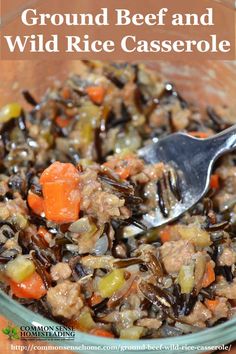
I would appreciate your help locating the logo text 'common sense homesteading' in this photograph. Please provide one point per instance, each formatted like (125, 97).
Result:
(39, 332)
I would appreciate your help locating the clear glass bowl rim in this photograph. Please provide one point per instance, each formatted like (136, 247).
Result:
(218, 335)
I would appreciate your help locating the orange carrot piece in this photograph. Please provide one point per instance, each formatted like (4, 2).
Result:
(60, 192)
(66, 93)
(61, 201)
(165, 234)
(59, 171)
(36, 203)
(31, 288)
(101, 333)
(200, 135)
(212, 304)
(214, 182)
(96, 93)
(209, 275)
(61, 122)
(95, 299)
(124, 173)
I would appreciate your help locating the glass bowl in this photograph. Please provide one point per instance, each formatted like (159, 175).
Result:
(206, 83)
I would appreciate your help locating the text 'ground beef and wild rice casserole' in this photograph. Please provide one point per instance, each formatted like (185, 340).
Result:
(72, 188)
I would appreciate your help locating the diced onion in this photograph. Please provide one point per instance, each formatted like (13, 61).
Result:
(101, 246)
(82, 226)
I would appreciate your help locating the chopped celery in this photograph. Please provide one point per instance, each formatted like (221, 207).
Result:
(20, 269)
(11, 110)
(111, 282)
(127, 142)
(85, 162)
(85, 321)
(134, 332)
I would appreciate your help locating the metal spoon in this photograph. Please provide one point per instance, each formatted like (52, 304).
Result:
(193, 159)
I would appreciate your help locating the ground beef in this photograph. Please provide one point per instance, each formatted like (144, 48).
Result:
(149, 173)
(12, 244)
(176, 253)
(226, 289)
(17, 205)
(220, 311)
(4, 187)
(64, 299)
(131, 162)
(105, 206)
(180, 118)
(226, 170)
(198, 316)
(60, 271)
(98, 203)
(96, 262)
(226, 195)
(227, 258)
(158, 118)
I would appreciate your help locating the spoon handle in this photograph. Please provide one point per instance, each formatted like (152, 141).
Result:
(221, 143)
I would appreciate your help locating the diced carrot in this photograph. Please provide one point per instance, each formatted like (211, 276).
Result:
(200, 135)
(214, 182)
(36, 203)
(165, 234)
(60, 192)
(212, 304)
(101, 333)
(95, 299)
(65, 93)
(209, 275)
(59, 171)
(96, 93)
(124, 173)
(31, 288)
(61, 201)
(61, 122)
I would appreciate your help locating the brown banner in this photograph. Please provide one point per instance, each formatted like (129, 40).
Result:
(123, 30)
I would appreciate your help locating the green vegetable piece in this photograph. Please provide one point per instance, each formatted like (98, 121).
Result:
(20, 269)
(111, 282)
(134, 332)
(11, 110)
